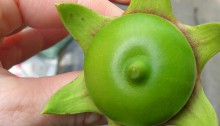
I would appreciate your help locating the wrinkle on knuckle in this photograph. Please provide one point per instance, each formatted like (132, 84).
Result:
(10, 17)
(4, 23)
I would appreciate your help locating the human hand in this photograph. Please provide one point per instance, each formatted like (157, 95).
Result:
(22, 99)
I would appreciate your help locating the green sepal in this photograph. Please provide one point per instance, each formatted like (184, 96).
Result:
(71, 99)
(112, 123)
(197, 112)
(81, 22)
(205, 40)
(161, 8)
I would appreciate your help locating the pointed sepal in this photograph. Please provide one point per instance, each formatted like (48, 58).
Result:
(161, 8)
(112, 123)
(81, 22)
(205, 40)
(197, 112)
(71, 99)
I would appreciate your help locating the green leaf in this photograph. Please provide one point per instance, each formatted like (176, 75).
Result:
(71, 99)
(197, 112)
(161, 8)
(205, 40)
(81, 22)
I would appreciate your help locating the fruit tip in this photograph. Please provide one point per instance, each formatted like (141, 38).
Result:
(44, 111)
(59, 4)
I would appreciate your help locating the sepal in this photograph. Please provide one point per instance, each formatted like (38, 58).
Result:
(71, 99)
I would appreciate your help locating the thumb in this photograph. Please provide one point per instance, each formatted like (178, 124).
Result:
(39, 90)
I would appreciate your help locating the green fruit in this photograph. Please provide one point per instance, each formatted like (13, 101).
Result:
(136, 62)
(141, 69)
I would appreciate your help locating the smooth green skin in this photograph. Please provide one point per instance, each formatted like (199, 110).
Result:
(165, 83)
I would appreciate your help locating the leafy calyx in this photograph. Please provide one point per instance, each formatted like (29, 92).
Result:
(71, 99)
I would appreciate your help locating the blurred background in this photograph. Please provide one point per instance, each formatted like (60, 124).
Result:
(67, 55)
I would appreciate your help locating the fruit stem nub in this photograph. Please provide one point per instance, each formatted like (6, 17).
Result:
(136, 71)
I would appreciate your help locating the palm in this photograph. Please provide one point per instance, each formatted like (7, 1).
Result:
(15, 105)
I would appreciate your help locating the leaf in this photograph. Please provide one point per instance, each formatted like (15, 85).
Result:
(205, 40)
(197, 112)
(161, 8)
(71, 99)
(81, 22)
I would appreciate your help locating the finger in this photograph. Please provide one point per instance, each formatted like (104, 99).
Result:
(125, 2)
(43, 14)
(20, 46)
(83, 119)
(10, 17)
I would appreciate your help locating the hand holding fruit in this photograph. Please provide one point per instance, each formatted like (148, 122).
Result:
(22, 99)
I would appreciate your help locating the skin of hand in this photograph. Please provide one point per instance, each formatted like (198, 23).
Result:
(22, 99)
